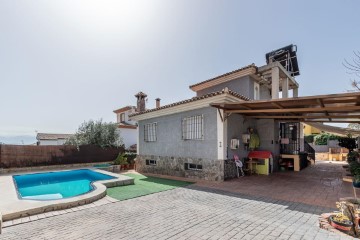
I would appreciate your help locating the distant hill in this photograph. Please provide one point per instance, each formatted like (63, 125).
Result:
(18, 140)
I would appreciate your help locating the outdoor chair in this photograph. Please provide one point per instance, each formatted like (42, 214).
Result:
(239, 166)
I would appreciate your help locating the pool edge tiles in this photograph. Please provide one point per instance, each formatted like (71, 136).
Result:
(12, 207)
(54, 185)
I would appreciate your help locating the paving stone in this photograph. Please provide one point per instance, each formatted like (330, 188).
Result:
(193, 212)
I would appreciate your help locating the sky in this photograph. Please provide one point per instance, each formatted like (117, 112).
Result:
(65, 62)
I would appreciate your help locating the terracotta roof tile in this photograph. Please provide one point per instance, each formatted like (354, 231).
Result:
(212, 94)
(223, 75)
(123, 109)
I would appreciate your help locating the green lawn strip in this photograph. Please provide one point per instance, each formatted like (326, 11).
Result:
(144, 186)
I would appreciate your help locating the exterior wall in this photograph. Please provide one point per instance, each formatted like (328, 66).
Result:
(169, 136)
(237, 126)
(128, 136)
(268, 131)
(171, 152)
(243, 85)
(127, 120)
(213, 170)
(52, 142)
(308, 130)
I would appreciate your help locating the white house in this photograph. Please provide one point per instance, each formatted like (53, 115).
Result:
(127, 129)
(51, 138)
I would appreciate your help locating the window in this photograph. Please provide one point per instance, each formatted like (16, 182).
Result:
(193, 128)
(192, 166)
(256, 91)
(122, 117)
(151, 162)
(150, 132)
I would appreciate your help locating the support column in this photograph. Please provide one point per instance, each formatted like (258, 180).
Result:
(285, 88)
(221, 136)
(295, 92)
(275, 79)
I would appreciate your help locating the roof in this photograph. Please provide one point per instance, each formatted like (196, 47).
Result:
(343, 107)
(260, 154)
(126, 125)
(224, 77)
(52, 136)
(194, 99)
(335, 130)
(123, 109)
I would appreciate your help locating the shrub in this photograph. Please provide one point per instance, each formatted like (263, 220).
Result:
(121, 159)
(348, 142)
(323, 138)
(97, 133)
(352, 157)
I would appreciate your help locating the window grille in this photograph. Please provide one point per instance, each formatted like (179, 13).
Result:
(150, 132)
(193, 128)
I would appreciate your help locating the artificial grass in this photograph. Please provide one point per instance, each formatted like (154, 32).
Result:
(143, 186)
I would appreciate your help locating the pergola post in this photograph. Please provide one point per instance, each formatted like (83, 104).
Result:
(295, 92)
(275, 83)
(285, 88)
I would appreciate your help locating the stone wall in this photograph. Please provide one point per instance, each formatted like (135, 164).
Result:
(212, 170)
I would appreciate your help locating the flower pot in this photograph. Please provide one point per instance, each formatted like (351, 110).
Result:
(356, 184)
(344, 226)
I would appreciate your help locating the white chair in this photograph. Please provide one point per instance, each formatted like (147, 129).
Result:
(239, 165)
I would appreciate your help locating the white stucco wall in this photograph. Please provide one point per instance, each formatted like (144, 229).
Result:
(129, 136)
(52, 142)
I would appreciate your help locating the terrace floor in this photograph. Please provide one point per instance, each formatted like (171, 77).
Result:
(280, 206)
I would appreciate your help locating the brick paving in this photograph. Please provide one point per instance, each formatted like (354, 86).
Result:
(184, 213)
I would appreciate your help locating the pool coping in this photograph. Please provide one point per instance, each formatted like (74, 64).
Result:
(11, 207)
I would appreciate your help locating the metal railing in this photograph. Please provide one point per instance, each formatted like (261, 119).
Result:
(309, 150)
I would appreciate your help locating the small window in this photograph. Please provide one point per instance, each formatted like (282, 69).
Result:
(192, 166)
(151, 162)
(150, 132)
(256, 91)
(193, 128)
(122, 117)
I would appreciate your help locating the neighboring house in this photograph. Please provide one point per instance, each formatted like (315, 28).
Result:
(309, 130)
(127, 128)
(52, 138)
(192, 139)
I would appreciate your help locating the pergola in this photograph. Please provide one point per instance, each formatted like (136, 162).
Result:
(333, 108)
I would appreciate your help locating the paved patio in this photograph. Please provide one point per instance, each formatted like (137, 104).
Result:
(280, 206)
(321, 185)
(184, 213)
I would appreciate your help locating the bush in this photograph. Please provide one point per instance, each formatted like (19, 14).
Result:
(97, 133)
(354, 168)
(130, 157)
(323, 138)
(348, 142)
(121, 159)
(352, 157)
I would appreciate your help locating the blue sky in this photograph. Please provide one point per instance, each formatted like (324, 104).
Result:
(63, 62)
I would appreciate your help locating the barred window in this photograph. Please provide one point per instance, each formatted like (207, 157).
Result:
(193, 128)
(150, 132)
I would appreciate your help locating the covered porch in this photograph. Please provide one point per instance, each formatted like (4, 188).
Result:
(279, 125)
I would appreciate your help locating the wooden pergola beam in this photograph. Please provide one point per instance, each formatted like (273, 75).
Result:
(299, 110)
(305, 117)
(322, 105)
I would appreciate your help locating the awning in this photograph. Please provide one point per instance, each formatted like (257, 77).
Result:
(340, 108)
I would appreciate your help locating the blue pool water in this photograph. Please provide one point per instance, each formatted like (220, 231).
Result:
(57, 185)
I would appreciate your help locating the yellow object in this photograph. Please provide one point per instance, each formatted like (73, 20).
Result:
(254, 141)
(296, 159)
(308, 130)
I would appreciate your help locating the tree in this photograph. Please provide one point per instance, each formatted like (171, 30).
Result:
(97, 133)
(353, 67)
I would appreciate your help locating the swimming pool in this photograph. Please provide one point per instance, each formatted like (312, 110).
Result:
(57, 185)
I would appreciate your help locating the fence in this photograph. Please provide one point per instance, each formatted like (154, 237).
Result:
(17, 156)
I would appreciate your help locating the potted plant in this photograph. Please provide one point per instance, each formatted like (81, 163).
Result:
(356, 181)
(121, 161)
(339, 220)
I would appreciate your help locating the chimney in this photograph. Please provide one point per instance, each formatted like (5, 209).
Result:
(157, 102)
(140, 107)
